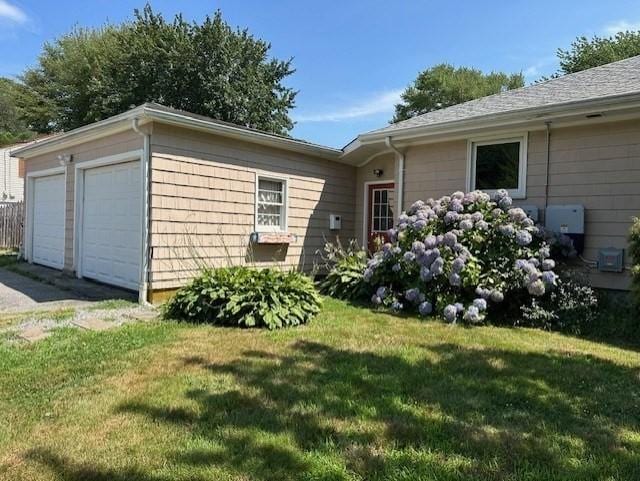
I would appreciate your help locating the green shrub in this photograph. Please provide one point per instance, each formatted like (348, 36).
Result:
(634, 252)
(572, 306)
(345, 268)
(246, 297)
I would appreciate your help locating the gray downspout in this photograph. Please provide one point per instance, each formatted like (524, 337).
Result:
(400, 188)
(146, 218)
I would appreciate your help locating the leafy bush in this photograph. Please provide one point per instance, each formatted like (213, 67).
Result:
(634, 252)
(345, 268)
(241, 296)
(460, 255)
(571, 307)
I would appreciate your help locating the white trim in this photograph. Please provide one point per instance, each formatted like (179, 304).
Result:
(29, 199)
(284, 221)
(472, 144)
(78, 196)
(365, 205)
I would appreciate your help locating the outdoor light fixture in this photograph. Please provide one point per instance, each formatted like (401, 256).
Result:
(65, 159)
(378, 172)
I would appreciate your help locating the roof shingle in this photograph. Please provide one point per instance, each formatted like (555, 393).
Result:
(613, 79)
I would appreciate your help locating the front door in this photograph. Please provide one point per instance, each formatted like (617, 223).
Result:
(381, 199)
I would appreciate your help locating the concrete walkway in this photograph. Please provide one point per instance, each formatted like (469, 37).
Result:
(37, 287)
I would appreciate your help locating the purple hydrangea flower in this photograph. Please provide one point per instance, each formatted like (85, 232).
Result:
(548, 264)
(409, 256)
(457, 265)
(430, 241)
(381, 292)
(523, 238)
(456, 206)
(477, 216)
(517, 214)
(451, 217)
(472, 314)
(505, 203)
(412, 295)
(425, 274)
(450, 313)
(396, 267)
(417, 247)
(466, 224)
(459, 306)
(496, 296)
(396, 306)
(480, 303)
(377, 300)
(549, 278)
(425, 308)
(455, 279)
(482, 225)
(450, 239)
(507, 230)
(500, 194)
(438, 266)
(368, 274)
(536, 288)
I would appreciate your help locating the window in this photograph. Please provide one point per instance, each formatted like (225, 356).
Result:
(271, 205)
(499, 164)
(381, 209)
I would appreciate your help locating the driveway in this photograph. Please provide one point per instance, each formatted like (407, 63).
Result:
(22, 292)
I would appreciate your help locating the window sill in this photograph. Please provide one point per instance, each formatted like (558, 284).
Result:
(273, 238)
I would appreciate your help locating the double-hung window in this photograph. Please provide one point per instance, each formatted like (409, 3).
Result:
(499, 164)
(271, 204)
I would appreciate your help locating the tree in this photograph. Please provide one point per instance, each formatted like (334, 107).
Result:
(208, 69)
(13, 127)
(586, 53)
(444, 85)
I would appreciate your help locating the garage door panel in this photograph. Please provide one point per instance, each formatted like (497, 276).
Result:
(112, 225)
(48, 221)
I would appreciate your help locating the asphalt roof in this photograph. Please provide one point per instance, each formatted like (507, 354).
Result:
(613, 79)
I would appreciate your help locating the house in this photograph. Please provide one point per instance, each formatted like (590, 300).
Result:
(142, 199)
(11, 183)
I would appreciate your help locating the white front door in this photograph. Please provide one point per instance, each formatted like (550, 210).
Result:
(112, 224)
(47, 246)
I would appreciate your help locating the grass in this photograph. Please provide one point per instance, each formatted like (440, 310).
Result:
(355, 395)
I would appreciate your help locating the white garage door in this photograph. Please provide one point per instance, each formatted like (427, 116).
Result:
(48, 221)
(112, 225)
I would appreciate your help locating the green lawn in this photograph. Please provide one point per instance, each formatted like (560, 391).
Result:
(355, 395)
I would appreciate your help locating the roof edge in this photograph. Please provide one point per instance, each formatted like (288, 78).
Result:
(603, 104)
(147, 113)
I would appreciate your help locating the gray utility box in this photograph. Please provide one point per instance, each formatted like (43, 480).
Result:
(611, 259)
(569, 220)
(532, 211)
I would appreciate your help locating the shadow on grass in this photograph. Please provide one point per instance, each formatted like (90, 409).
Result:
(319, 412)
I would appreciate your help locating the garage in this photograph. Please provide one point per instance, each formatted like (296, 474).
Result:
(110, 244)
(48, 221)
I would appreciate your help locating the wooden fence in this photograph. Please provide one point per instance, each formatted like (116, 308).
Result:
(11, 224)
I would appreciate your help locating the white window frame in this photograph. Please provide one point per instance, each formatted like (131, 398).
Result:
(521, 191)
(284, 221)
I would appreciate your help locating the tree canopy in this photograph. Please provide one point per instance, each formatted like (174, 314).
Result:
(13, 127)
(586, 53)
(444, 85)
(208, 68)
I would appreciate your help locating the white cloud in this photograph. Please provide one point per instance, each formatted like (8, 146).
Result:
(12, 13)
(620, 26)
(378, 104)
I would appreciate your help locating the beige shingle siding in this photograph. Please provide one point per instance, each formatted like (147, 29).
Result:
(112, 145)
(597, 166)
(202, 206)
(11, 184)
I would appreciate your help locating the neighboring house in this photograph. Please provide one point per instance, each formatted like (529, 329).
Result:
(11, 183)
(142, 199)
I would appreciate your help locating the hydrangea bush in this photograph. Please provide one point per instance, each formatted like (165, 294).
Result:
(460, 256)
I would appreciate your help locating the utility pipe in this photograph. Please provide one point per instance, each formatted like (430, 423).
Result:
(146, 217)
(400, 188)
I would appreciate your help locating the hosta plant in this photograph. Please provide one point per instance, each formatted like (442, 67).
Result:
(344, 269)
(460, 256)
(246, 297)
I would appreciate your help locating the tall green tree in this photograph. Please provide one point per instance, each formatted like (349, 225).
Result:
(586, 53)
(13, 127)
(444, 85)
(207, 68)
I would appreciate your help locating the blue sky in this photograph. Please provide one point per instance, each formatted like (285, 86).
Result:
(353, 57)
